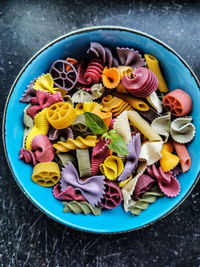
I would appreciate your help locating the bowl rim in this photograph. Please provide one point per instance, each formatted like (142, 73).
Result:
(79, 31)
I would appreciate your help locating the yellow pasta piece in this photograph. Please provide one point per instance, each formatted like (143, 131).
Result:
(46, 174)
(114, 105)
(61, 115)
(124, 70)
(123, 183)
(153, 65)
(87, 107)
(143, 126)
(134, 102)
(45, 83)
(121, 89)
(168, 161)
(112, 167)
(79, 142)
(40, 126)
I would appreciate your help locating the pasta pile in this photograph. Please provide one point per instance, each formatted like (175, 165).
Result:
(103, 131)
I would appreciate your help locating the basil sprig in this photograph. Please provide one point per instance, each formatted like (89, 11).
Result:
(98, 126)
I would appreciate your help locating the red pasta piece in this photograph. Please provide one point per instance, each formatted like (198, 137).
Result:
(68, 194)
(144, 184)
(99, 153)
(112, 195)
(94, 71)
(28, 156)
(178, 102)
(43, 100)
(183, 155)
(143, 84)
(90, 73)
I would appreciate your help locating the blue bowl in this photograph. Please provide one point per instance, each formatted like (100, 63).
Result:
(177, 74)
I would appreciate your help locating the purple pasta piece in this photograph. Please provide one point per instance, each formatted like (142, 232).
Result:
(104, 53)
(112, 196)
(132, 159)
(64, 79)
(150, 114)
(130, 57)
(176, 171)
(144, 184)
(54, 134)
(92, 188)
(29, 93)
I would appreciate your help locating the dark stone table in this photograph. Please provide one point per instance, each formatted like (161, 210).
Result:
(28, 237)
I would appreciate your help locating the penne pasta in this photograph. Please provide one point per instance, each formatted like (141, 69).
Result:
(143, 126)
(153, 65)
(183, 155)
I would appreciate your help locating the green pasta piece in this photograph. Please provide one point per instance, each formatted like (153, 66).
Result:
(84, 166)
(147, 199)
(63, 158)
(81, 207)
(80, 127)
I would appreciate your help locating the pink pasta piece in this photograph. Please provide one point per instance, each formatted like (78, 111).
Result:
(112, 195)
(183, 155)
(143, 84)
(68, 194)
(112, 124)
(144, 184)
(99, 153)
(28, 156)
(43, 148)
(168, 184)
(43, 100)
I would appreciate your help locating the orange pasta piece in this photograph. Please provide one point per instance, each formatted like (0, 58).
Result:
(72, 61)
(183, 155)
(61, 115)
(134, 102)
(114, 105)
(178, 102)
(110, 77)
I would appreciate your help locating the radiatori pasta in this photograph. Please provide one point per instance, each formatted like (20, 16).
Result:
(114, 139)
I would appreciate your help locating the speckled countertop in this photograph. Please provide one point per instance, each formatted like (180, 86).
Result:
(29, 238)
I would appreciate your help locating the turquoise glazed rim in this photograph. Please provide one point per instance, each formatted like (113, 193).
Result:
(177, 75)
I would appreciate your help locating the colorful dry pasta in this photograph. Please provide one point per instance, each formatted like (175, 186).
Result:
(97, 131)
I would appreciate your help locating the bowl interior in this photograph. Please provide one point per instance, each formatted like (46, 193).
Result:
(177, 75)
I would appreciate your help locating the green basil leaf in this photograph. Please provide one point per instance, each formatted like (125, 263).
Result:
(95, 123)
(117, 144)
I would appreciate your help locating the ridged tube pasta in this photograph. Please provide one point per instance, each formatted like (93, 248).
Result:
(134, 102)
(143, 126)
(136, 207)
(61, 115)
(46, 174)
(183, 155)
(40, 126)
(122, 126)
(81, 207)
(72, 144)
(112, 167)
(84, 166)
(153, 65)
